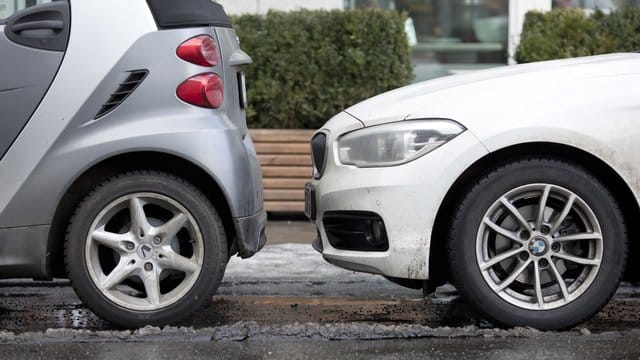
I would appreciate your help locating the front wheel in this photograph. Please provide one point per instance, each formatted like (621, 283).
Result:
(145, 248)
(538, 243)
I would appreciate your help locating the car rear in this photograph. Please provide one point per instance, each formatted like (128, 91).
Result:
(138, 151)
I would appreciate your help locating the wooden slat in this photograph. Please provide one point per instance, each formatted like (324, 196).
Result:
(290, 160)
(284, 194)
(282, 148)
(292, 206)
(284, 183)
(264, 135)
(286, 172)
(286, 166)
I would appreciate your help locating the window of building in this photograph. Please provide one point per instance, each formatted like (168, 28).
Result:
(9, 7)
(605, 5)
(451, 35)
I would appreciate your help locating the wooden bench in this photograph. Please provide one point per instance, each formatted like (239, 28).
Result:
(286, 166)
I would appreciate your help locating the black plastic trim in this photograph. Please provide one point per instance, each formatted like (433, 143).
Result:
(354, 231)
(319, 154)
(188, 13)
(44, 26)
(250, 233)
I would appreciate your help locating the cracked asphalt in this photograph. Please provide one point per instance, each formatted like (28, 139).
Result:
(287, 302)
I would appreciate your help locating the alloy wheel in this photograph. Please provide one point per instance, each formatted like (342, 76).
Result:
(539, 246)
(144, 251)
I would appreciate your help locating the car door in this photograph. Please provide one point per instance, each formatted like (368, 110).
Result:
(32, 45)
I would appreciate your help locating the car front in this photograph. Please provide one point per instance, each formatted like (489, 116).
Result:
(384, 167)
(376, 189)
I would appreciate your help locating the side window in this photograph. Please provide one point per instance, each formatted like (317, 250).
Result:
(9, 7)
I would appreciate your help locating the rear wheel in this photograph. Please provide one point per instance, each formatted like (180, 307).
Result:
(538, 243)
(145, 248)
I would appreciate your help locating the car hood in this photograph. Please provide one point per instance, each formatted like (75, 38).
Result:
(465, 98)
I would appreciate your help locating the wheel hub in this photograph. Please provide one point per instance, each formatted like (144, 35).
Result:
(538, 246)
(145, 252)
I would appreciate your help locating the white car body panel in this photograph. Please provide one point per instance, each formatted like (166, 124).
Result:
(564, 102)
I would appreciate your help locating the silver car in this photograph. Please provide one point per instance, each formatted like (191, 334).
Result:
(520, 185)
(125, 161)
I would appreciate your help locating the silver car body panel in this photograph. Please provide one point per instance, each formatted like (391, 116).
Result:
(587, 103)
(62, 139)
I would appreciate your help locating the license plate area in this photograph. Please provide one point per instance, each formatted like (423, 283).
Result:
(310, 201)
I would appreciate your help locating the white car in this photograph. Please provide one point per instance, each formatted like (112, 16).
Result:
(519, 185)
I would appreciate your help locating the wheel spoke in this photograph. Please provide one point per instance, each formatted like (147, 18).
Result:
(139, 223)
(579, 237)
(577, 259)
(500, 258)
(171, 228)
(152, 286)
(538, 284)
(117, 275)
(174, 261)
(563, 214)
(508, 281)
(512, 209)
(109, 239)
(542, 206)
(502, 231)
(560, 281)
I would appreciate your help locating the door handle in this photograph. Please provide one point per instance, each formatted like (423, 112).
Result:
(44, 26)
(38, 25)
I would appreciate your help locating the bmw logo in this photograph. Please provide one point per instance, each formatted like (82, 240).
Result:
(538, 246)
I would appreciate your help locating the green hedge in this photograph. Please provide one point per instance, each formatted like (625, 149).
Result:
(310, 65)
(564, 33)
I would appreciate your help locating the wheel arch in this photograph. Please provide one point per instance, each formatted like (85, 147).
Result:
(597, 167)
(117, 164)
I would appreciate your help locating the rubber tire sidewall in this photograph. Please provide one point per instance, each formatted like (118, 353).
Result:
(214, 244)
(462, 244)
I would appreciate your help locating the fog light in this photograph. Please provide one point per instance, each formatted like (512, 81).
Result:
(379, 233)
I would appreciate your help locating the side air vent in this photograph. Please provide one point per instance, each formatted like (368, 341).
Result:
(126, 88)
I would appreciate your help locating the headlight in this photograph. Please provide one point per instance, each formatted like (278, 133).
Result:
(395, 143)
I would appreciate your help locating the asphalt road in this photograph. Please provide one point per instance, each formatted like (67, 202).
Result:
(287, 302)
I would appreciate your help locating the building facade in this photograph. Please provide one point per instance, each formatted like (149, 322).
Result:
(447, 36)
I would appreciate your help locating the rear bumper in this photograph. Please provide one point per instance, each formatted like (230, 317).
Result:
(23, 252)
(250, 232)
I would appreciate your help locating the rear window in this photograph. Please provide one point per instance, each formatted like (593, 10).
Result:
(10, 7)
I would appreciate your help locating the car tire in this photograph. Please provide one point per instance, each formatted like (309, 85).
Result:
(577, 244)
(145, 248)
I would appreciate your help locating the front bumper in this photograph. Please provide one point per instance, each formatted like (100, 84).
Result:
(250, 233)
(406, 197)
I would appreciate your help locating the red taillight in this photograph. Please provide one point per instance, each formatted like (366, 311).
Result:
(200, 50)
(204, 90)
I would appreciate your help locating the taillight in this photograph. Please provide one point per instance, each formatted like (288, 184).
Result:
(200, 50)
(205, 90)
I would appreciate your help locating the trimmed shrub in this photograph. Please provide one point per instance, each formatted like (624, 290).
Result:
(564, 33)
(310, 65)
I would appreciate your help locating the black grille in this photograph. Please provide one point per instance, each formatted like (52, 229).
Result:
(318, 153)
(126, 88)
(355, 231)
